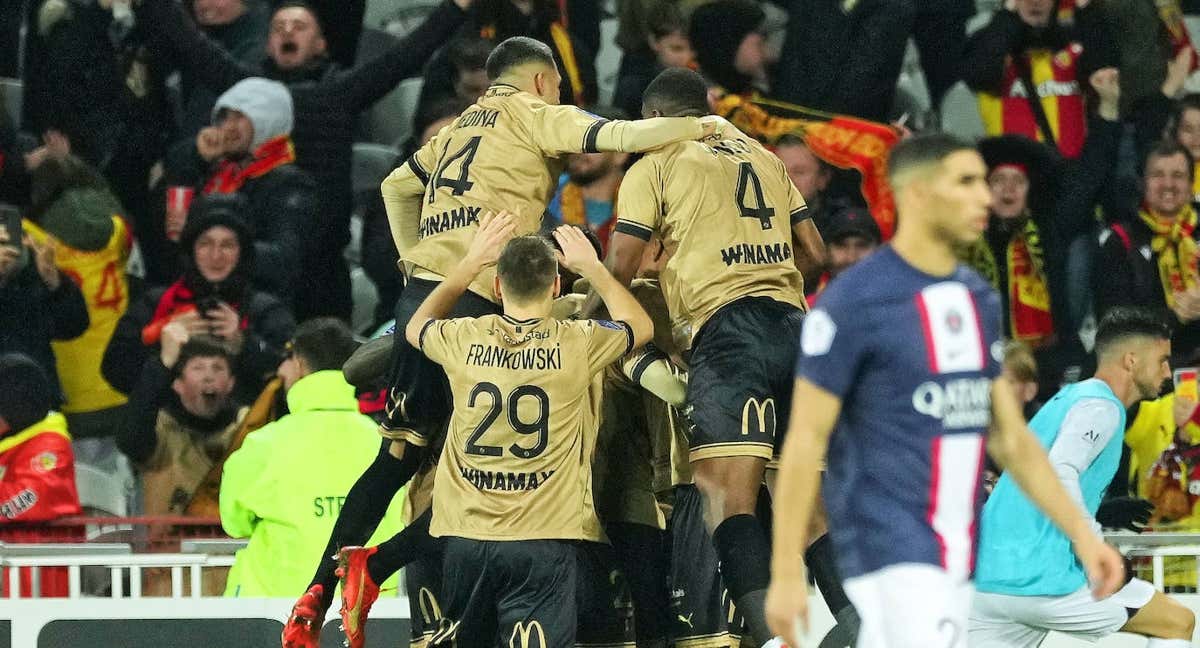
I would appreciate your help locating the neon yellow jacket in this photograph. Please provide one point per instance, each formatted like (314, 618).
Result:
(284, 487)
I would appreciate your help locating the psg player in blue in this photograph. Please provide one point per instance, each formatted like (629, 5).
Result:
(902, 357)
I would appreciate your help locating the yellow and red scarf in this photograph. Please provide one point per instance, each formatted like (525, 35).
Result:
(230, 176)
(574, 212)
(1029, 315)
(1175, 248)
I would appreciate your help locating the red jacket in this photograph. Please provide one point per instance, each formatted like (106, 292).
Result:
(37, 474)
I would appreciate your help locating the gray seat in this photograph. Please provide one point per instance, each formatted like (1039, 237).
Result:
(12, 91)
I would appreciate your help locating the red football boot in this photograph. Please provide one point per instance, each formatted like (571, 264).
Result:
(303, 627)
(358, 592)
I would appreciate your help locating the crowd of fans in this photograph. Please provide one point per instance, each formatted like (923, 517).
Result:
(170, 236)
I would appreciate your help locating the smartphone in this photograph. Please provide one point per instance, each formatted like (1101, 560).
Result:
(10, 221)
(1185, 383)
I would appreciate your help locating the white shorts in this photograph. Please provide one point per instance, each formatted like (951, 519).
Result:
(1003, 621)
(911, 605)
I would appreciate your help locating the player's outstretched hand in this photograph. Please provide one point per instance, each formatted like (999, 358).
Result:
(495, 231)
(787, 608)
(1104, 566)
(577, 254)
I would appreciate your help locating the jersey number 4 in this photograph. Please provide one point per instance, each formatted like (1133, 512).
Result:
(748, 186)
(462, 184)
(539, 426)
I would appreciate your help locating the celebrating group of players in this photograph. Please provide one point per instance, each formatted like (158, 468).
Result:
(526, 425)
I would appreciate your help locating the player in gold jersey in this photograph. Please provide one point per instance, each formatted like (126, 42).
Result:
(505, 152)
(513, 485)
(729, 217)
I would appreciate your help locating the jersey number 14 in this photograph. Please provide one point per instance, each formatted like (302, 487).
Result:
(462, 184)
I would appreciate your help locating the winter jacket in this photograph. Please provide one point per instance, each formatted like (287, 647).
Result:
(245, 39)
(327, 99)
(31, 315)
(37, 474)
(284, 487)
(269, 325)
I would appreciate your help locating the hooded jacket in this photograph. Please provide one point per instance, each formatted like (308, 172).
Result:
(280, 203)
(267, 323)
(284, 487)
(328, 100)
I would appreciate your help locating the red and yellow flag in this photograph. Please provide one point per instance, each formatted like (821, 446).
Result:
(842, 141)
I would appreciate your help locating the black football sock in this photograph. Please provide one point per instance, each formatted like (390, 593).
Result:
(641, 551)
(820, 561)
(365, 505)
(745, 555)
(411, 543)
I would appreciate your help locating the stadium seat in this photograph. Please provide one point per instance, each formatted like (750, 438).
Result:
(389, 121)
(12, 91)
(101, 493)
(372, 163)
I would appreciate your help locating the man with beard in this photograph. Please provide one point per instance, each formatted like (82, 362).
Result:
(327, 100)
(1149, 260)
(181, 418)
(587, 192)
(1028, 582)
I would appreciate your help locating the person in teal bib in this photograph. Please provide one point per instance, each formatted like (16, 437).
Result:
(1027, 579)
(284, 487)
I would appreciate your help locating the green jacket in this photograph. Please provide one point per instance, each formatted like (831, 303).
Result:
(284, 487)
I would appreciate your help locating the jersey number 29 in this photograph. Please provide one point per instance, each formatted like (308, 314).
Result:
(539, 426)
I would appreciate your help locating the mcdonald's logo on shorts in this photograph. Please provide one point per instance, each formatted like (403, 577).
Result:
(758, 417)
(523, 636)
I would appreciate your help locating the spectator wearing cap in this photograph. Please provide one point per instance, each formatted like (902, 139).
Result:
(730, 46)
(1149, 258)
(38, 303)
(284, 487)
(248, 152)
(212, 297)
(587, 191)
(327, 99)
(850, 234)
(181, 418)
(37, 466)
(74, 212)
(1040, 204)
(1028, 44)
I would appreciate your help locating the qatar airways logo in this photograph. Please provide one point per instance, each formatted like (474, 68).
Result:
(959, 404)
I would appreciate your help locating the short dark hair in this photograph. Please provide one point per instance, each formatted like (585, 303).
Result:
(324, 342)
(676, 92)
(1124, 322)
(26, 394)
(664, 19)
(515, 51)
(1169, 148)
(527, 267)
(924, 150)
(201, 346)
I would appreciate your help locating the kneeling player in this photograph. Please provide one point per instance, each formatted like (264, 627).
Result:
(513, 487)
(1028, 581)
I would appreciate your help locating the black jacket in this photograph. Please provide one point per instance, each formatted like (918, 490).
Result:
(1126, 274)
(270, 327)
(327, 99)
(843, 63)
(245, 39)
(282, 210)
(984, 60)
(31, 316)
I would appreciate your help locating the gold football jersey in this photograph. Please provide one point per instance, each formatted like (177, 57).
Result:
(724, 209)
(517, 464)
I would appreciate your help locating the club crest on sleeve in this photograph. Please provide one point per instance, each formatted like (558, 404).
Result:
(816, 336)
(45, 462)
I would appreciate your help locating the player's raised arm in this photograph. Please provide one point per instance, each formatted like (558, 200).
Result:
(798, 482)
(1016, 450)
(567, 129)
(493, 233)
(402, 191)
(579, 256)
